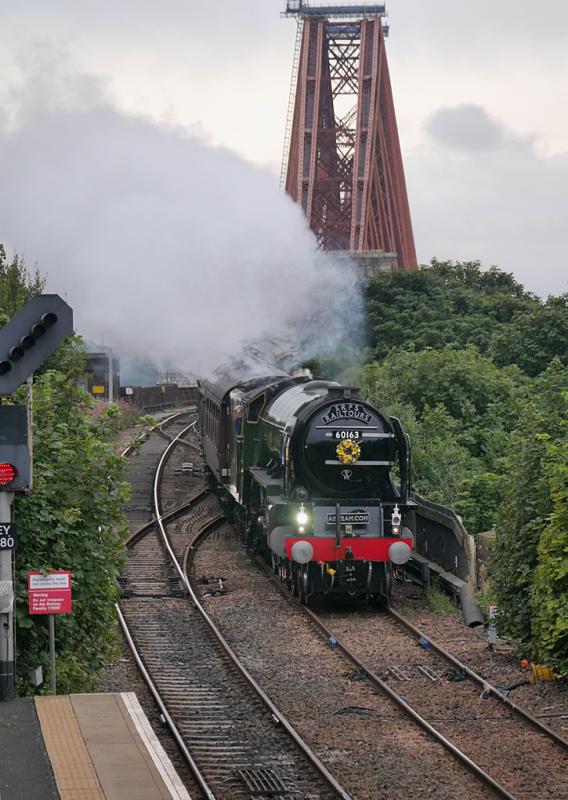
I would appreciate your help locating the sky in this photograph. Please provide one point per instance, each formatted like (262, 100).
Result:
(481, 92)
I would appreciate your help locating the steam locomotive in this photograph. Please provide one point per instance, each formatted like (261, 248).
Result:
(310, 469)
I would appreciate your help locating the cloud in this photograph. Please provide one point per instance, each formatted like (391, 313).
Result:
(470, 128)
(165, 246)
(479, 191)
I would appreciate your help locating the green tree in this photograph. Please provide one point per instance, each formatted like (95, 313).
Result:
(549, 595)
(528, 501)
(440, 464)
(480, 397)
(17, 285)
(535, 337)
(459, 409)
(73, 517)
(72, 520)
(446, 304)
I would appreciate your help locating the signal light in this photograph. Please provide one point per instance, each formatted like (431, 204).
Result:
(45, 322)
(7, 474)
(48, 319)
(27, 341)
(37, 330)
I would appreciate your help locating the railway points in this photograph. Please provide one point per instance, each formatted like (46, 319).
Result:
(353, 730)
(425, 688)
(258, 702)
(190, 523)
(178, 528)
(228, 734)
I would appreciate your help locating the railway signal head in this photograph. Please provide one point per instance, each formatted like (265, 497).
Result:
(8, 473)
(30, 337)
(14, 452)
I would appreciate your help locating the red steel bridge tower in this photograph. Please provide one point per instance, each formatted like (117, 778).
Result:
(342, 160)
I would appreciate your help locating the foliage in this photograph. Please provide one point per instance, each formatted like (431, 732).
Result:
(17, 285)
(458, 409)
(446, 304)
(480, 496)
(532, 504)
(534, 338)
(473, 391)
(438, 601)
(73, 517)
(454, 304)
(119, 416)
(439, 463)
(71, 520)
(477, 370)
(549, 598)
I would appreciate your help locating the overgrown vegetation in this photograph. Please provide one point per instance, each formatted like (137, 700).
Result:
(476, 367)
(458, 304)
(73, 518)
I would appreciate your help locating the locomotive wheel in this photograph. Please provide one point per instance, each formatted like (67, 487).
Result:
(303, 584)
(385, 585)
(293, 579)
(239, 518)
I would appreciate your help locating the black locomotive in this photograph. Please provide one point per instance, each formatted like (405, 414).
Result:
(311, 468)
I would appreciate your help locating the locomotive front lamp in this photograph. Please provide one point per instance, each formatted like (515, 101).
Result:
(396, 519)
(302, 516)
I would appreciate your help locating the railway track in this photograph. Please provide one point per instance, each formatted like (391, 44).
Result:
(509, 752)
(235, 741)
(412, 677)
(356, 732)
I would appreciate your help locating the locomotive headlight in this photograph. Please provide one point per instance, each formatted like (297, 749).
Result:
(396, 519)
(302, 516)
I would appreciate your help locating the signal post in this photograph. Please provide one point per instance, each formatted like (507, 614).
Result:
(31, 336)
(6, 606)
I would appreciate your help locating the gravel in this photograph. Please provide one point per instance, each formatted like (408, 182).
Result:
(366, 742)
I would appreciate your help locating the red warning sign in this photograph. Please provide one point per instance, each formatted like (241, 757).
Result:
(49, 594)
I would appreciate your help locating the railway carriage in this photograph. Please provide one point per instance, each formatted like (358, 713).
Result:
(310, 468)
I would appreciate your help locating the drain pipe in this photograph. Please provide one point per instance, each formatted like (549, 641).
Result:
(472, 613)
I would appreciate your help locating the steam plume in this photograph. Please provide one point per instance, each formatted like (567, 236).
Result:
(167, 247)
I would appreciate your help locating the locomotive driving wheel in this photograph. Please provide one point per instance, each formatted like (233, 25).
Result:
(303, 584)
(384, 585)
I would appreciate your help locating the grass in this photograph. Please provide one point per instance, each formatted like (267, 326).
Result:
(439, 602)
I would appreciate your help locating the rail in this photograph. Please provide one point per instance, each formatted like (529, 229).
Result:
(184, 577)
(485, 685)
(199, 777)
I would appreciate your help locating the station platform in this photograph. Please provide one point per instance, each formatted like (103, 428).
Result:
(83, 747)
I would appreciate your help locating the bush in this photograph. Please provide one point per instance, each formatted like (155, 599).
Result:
(532, 506)
(71, 520)
(549, 595)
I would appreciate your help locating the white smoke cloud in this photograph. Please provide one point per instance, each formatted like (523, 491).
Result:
(166, 247)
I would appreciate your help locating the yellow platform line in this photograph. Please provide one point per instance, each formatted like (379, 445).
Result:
(72, 765)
